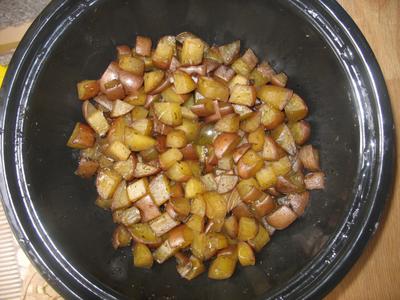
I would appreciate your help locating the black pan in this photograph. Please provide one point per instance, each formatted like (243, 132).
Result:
(329, 63)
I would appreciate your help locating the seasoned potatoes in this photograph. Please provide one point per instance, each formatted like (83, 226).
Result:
(199, 152)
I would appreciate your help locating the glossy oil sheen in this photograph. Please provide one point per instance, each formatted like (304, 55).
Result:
(52, 211)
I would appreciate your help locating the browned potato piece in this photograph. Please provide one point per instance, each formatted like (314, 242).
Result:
(196, 223)
(243, 95)
(120, 108)
(180, 171)
(121, 237)
(224, 73)
(131, 64)
(226, 183)
(271, 117)
(142, 257)
(281, 218)
(229, 52)
(87, 89)
(191, 268)
(142, 233)
(103, 103)
(192, 51)
(257, 138)
(176, 139)
(143, 45)
(136, 98)
(120, 197)
(189, 152)
(242, 210)
(271, 150)
(106, 182)
(193, 187)
(126, 168)
(138, 189)
(222, 267)
(279, 79)
(127, 217)
(199, 245)
(214, 225)
(309, 157)
(225, 143)
(198, 206)
(191, 129)
(248, 228)
(118, 151)
(252, 122)
(296, 109)
(103, 203)
(240, 151)
(183, 83)
(170, 95)
(164, 252)
(231, 226)
(164, 51)
(86, 168)
(238, 79)
(117, 131)
(282, 166)
(262, 238)
(138, 142)
(249, 164)
(160, 189)
(263, 206)
(301, 131)
(266, 177)
(148, 209)
(168, 113)
(283, 137)
(292, 183)
(146, 169)
(152, 80)
(249, 190)
(229, 123)
(275, 96)
(82, 137)
(169, 158)
(142, 126)
(315, 181)
(215, 205)
(163, 224)
(298, 202)
(245, 254)
(241, 67)
(95, 118)
(213, 89)
(181, 206)
(180, 237)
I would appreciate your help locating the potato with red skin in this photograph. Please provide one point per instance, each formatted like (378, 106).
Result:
(88, 89)
(82, 137)
(143, 45)
(225, 144)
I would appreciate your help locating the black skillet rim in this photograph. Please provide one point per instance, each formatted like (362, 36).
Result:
(325, 276)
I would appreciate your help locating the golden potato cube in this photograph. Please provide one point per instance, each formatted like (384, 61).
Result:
(120, 108)
(193, 187)
(245, 254)
(192, 51)
(275, 96)
(282, 166)
(142, 233)
(284, 138)
(231, 226)
(125, 168)
(142, 126)
(180, 171)
(120, 197)
(237, 80)
(164, 51)
(215, 205)
(190, 270)
(139, 113)
(164, 252)
(181, 206)
(198, 206)
(252, 122)
(118, 151)
(138, 189)
(191, 129)
(82, 137)
(121, 237)
(143, 45)
(249, 164)
(127, 217)
(213, 89)
(168, 113)
(142, 257)
(138, 142)
(229, 123)
(199, 244)
(176, 139)
(152, 80)
(170, 95)
(88, 89)
(170, 157)
(160, 189)
(248, 229)
(163, 224)
(266, 177)
(131, 64)
(262, 238)
(117, 131)
(229, 52)
(222, 267)
(257, 139)
(95, 118)
(296, 109)
(241, 67)
(271, 117)
(136, 98)
(183, 83)
(106, 182)
(196, 223)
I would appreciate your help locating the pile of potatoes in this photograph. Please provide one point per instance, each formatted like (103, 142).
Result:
(199, 152)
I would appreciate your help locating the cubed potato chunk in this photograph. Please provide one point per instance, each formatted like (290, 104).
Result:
(249, 164)
(266, 177)
(252, 122)
(192, 51)
(196, 223)
(180, 171)
(163, 224)
(243, 95)
(131, 64)
(222, 267)
(191, 129)
(121, 237)
(281, 218)
(118, 151)
(296, 109)
(143, 45)
(168, 113)
(262, 238)
(229, 52)
(215, 205)
(176, 139)
(82, 137)
(120, 197)
(169, 158)
(160, 189)
(183, 83)
(88, 89)
(301, 131)
(106, 182)
(152, 80)
(194, 187)
(142, 233)
(95, 118)
(191, 268)
(164, 51)
(213, 89)
(248, 229)
(229, 123)
(271, 117)
(142, 257)
(257, 138)
(275, 96)
(309, 157)
(148, 209)
(231, 226)
(245, 254)
(271, 150)
(138, 189)
(142, 126)
(127, 217)
(283, 137)
(138, 142)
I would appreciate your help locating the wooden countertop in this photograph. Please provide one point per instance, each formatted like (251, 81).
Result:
(376, 275)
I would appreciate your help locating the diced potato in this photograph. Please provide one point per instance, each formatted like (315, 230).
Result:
(176, 139)
(271, 117)
(258, 78)
(279, 79)
(192, 51)
(282, 217)
(225, 163)
(225, 144)
(181, 206)
(163, 224)
(271, 150)
(229, 123)
(300, 131)
(82, 137)
(179, 171)
(314, 181)
(193, 187)
(106, 182)
(126, 168)
(231, 226)
(103, 203)
(164, 51)
(142, 126)
(243, 95)
(168, 113)
(298, 202)
(309, 157)
(213, 89)
(252, 122)
(282, 166)
(209, 182)
(169, 158)
(127, 217)
(138, 189)
(180, 237)
(115, 89)
(242, 210)
(249, 164)
(249, 190)
(144, 170)
(170, 95)
(143, 45)
(142, 233)
(266, 177)
(257, 139)
(199, 245)
(191, 269)
(149, 155)
(117, 131)
(214, 225)
(196, 223)
(248, 229)
(283, 137)
(245, 254)
(148, 209)
(131, 64)
(262, 238)
(233, 200)
(138, 142)
(152, 80)
(215, 205)
(222, 267)
(250, 58)
(120, 197)
(191, 129)
(275, 96)
(164, 252)
(176, 190)
(121, 237)
(226, 183)
(263, 206)
(118, 151)
(95, 118)
(142, 257)
(241, 67)
(229, 52)
(87, 89)
(214, 241)
(198, 206)
(183, 83)
(296, 109)
(238, 79)
(136, 98)
(160, 189)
